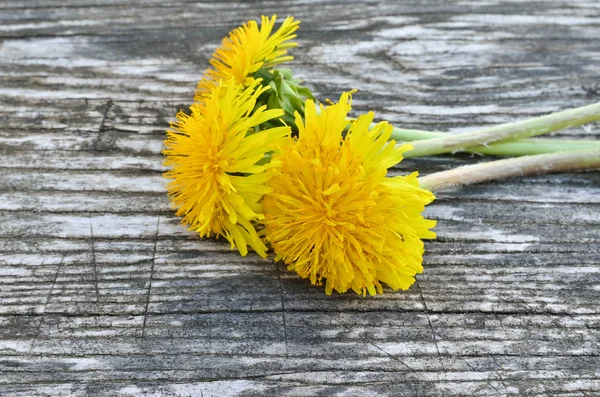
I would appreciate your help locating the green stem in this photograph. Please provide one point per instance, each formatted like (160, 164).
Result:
(520, 166)
(519, 147)
(505, 132)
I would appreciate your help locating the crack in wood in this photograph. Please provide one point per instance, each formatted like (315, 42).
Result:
(102, 127)
(433, 336)
(395, 357)
(43, 313)
(151, 277)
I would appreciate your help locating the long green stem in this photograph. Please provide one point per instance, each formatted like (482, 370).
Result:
(511, 131)
(519, 147)
(520, 166)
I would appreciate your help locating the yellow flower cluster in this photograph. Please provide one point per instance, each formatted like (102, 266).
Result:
(324, 201)
(332, 212)
(213, 153)
(246, 50)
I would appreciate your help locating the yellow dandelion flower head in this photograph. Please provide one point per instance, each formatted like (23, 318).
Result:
(212, 153)
(246, 50)
(333, 212)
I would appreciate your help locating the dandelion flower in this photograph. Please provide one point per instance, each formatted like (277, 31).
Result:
(246, 50)
(216, 182)
(333, 213)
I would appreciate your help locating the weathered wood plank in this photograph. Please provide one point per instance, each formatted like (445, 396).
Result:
(104, 293)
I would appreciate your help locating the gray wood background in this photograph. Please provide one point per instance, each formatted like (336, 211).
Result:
(104, 293)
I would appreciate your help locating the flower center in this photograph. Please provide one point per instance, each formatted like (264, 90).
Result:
(214, 162)
(332, 215)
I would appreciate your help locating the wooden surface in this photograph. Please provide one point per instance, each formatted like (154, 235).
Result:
(104, 293)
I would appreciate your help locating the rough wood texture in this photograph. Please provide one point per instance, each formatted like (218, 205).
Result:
(103, 293)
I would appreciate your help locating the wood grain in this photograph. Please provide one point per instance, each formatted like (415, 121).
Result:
(104, 293)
